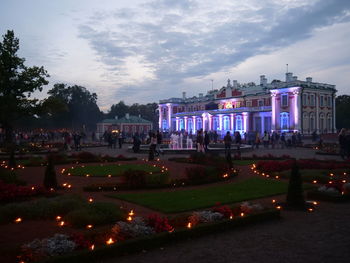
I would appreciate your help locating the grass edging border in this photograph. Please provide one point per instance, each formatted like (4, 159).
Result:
(317, 195)
(161, 239)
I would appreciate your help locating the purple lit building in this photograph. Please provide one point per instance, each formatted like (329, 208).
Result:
(282, 106)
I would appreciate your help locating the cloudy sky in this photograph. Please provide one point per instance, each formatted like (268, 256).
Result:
(142, 51)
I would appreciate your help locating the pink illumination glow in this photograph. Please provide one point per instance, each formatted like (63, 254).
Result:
(194, 124)
(185, 123)
(232, 122)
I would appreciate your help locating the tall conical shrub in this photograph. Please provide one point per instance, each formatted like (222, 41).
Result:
(12, 159)
(50, 179)
(295, 195)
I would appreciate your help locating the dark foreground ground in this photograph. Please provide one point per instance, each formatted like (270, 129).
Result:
(321, 236)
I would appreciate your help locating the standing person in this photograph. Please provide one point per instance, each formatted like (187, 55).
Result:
(227, 142)
(206, 141)
(257, 140)
(189, 142)
(152, 147)
(283, 140)
(136, 143)
(159, 142)
(238, 140)
(266, 140)
(120, 140)
(200, 141)
(76, 139)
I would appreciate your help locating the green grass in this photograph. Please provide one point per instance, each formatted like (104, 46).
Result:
(74, 210)
(111, 169)
(308, 175)
(186, 200)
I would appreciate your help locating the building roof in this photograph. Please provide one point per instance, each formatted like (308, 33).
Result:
(126, 119)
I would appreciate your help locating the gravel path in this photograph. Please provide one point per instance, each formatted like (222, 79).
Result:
(322, 236)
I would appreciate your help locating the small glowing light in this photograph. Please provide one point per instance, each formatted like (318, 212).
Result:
(267, 176)
(129, 218)
(64, 184)
(110, 241)
(231, 216)
(314, 181)
(131, 213)
(189, 225)
(279, 207)
(61, 223)
(242, 214)
(69, 186)
(68, 174)
(87, 175)
(342, 193)
(331, 174)
(273, 201)
(277, 177)
(91, 200)
(51, 189)
(225, 175)
(330, 182)
(18, 220)
(92, 247)
(58, 218)
(315, 203)
(150, 173)
(310, 209)
(89, 226)
(33, 188)
(344, 181)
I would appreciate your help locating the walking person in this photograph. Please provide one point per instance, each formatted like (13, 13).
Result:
(200, 141)
(266, 139)
(206, 141)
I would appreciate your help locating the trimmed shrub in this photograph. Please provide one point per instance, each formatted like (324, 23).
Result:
(95, 214)
(50, 180)
(86, 157)
(295, 195)
(134, 179)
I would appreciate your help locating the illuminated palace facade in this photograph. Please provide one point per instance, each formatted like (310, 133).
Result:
(283, 106)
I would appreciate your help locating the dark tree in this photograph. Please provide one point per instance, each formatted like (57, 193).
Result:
(342, 107)
(295, 195)
(80, 106)
(17, 83)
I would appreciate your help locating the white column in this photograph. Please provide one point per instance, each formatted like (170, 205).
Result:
(232, 123)
(177, 123)
(245, 121)
(209, 120)
(169, 116)
(185, 120)
(203, 121)
(160, 118)
(194, 124)
(273, 112)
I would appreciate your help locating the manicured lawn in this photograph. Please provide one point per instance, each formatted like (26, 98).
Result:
(111, 169)
(186, 200)
(321, 176)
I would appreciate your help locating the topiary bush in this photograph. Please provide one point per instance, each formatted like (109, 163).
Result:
(50, 179)
(134, 179)
(295, 194)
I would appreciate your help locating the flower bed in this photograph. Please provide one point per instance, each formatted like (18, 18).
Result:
(13, 192)
(154, 231)
(333, 191)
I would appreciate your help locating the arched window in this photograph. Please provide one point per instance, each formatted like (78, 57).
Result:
(216, 123)
(239, 123)
(322, 126)
(182, 125)
(165, 124)
(312, 122)
(189, 125)
(306, 123)
(199, 124)
(226, 123)
(284, 120)
(329, 123)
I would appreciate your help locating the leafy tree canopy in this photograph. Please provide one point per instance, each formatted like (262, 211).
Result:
(342, 106)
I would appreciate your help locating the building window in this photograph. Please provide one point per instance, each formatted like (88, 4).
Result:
(134, 129)
(329, 101)
(312, 100)
(215, 123)
(284, 120)
(305, 100)
(284, 100)
(226, 123)
(321, 101)
(189, 125)
(199, 124)
(165, 125)
(141, 127)
(182, 126)
(260, 103)
(329, 123)
(249, 103)
(238, 104)
(239, 123)
(312, 122)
